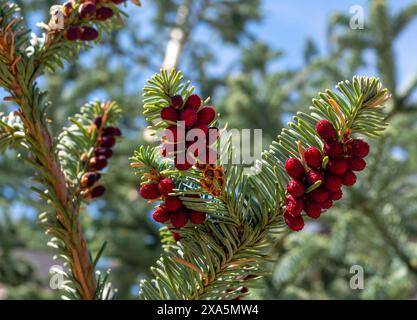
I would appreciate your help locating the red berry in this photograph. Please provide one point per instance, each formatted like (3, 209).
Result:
(149, 191)
(312, 209)
(244, 290)
(337, 167)
(189, 116)
(111, 131)
(349, 178)
(104, 13)
(206, 114)
(357, 164)
(360, 148)
(88, 33)
(177, 236)
(326, 130)
(319, 195)
(87, 9)
(294, 168)
(182, 166)
(295, 188)
(333, 183)
(161, 214)
(166, 186)
(169, 113)
(98, 163)
(294, 206)
(89, 178)
(327, 204)
(313, 176)
(313, 158)
(97, 192)
(193, 101)
(107, 141)
(333, 149)
(197, 217)
(98, 121)
(173, 203)
(203, 127)
(336, 195)
(294, 223)
(73, 33)
(118, 1)
(179, 219)
(107, 152)
(177, 102)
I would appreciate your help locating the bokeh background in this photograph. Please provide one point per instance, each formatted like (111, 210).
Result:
(260, 61)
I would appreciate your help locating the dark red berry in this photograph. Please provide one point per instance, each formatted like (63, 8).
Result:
(332, 149)
(98, 121)
(203, 127)
(166, 186)
(244, 290)
(319, 195)
(97, 192)
(189, 116)
(313, 176)
(161, 214)
(193, 102)
(360, 148)
(169, 113)
(107, 141)
(206, 114)
(312, 209)
(313, 158)
(98, 163)
(149, 191)
(294, 207)
(349, 178)
(87, 9)
(104, 13)
(112, 131)
(177, 102)
(294, 168)
(88, 33)
(89, 178)
(333, 183)
(118, 1)
(357, 164)
(294, 223)
(107, 152)
(326, 130)
(179, 219)
(327, 204)
(336, 195)
(173, 203)
(295, 188)
(182, 166)
(73, 33)
(337, 167)
(197, 217)
(177, 236)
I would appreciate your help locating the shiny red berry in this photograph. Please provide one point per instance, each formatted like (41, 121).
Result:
(206, 115)
(161, 214)
(333, 149)
(294, 208)
(313, 176)
(193, 102)
(295, 188)
(107, 141)
(172, 203)
(169, 113)
(349, 178)
(360, 148)
(88, 33)
(326, 130)
(312, 209)
(104, 13)
(166, 186)
(294, 168)
(357, 164)
(149, 191)
(333, 183)
(87, 9)
(294, 223)
(313, 158)
(179, 219)
(89, 179)
(319, 195)
(337, 167)
(189, 116)
(98, 163)
(97, 192)
(197, 217)
(73, 33)
(106, 152)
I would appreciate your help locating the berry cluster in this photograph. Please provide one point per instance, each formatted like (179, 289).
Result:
(106, 139)
(195, 117)
(172, 208)
(89, 10)
(319, 177)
